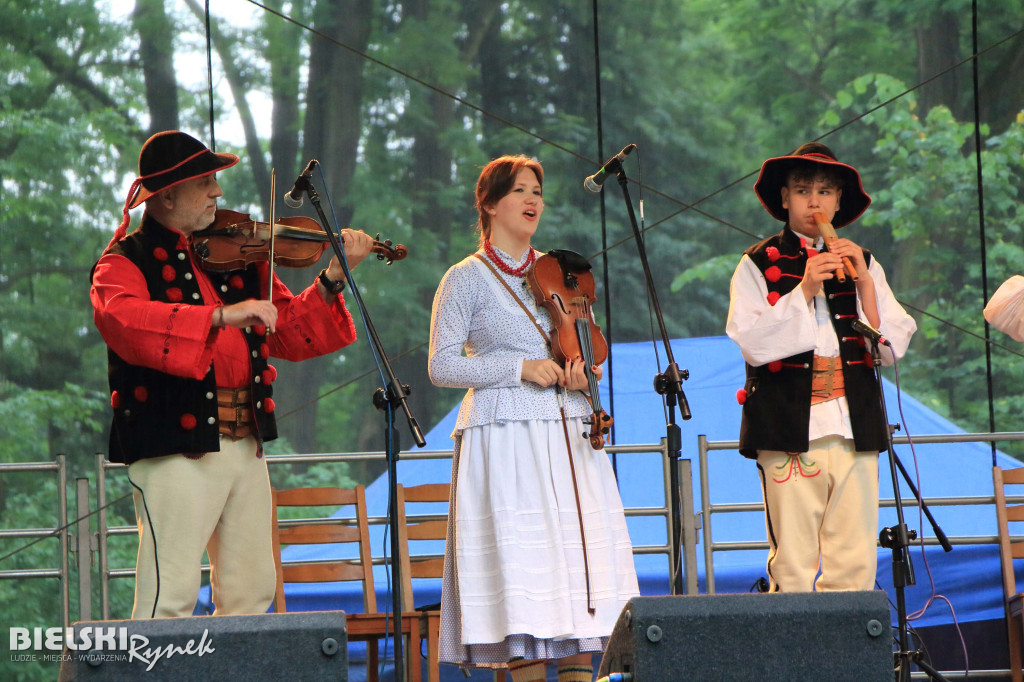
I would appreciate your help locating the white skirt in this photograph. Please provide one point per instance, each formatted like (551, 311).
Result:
(515, 584)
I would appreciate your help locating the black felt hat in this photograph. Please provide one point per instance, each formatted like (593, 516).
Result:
(775, 171)
(170, 158)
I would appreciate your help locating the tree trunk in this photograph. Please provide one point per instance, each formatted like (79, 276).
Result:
(283, 40)
(155, 31)
(1002, 98)
(332, 131)
(938, 49)
(494, 86)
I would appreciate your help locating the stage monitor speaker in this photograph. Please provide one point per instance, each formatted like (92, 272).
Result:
(833, 636)
(274, 646)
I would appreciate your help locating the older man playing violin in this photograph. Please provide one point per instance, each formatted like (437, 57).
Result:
(190, 384)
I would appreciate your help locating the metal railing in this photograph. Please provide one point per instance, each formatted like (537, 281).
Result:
(58, 468)
(700, 521)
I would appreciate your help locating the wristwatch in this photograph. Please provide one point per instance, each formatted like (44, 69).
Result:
(329, 284)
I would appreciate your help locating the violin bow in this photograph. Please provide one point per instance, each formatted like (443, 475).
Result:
(273, 198)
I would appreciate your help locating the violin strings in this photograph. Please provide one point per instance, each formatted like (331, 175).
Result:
(587, 348)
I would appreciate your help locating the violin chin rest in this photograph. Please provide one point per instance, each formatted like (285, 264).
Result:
(570, 261)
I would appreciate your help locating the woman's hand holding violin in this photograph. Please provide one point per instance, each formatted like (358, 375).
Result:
(576, 376)
(548, 373)
(542, 372)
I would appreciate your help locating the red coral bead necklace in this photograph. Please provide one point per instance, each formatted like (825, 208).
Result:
(506, 268)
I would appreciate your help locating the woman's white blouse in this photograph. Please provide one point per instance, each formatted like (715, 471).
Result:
(472, 311)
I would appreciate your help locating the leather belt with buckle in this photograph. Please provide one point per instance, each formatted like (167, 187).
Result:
(234, 410)
(827, 379)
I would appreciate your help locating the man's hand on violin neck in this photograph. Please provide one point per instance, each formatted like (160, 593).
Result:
(357, 247)
(250, 312)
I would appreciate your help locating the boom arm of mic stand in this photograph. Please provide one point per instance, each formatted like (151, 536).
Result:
(936, 529)
(395, 388)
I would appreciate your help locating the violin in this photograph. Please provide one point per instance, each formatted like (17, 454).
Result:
(234, 240)
(562, 284)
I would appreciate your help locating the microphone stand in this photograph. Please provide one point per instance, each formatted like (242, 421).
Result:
(386, 398)
(898, 539)
(669, 384)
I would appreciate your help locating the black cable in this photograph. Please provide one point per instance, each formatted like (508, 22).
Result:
(693, 206)
(354, 379)
(604, 235)
(419, 81)
(684, 205)
(981, 225)
(968, 332)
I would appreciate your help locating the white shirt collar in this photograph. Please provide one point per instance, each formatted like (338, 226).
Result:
(816, 242)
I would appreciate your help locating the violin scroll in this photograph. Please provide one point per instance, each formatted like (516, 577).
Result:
(600, 424)
(387, 250)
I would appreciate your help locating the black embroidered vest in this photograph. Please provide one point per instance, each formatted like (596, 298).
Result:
(156, 413)
(777, 408)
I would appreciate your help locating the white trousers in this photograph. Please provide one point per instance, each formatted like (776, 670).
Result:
(219, 503)
(821, 512)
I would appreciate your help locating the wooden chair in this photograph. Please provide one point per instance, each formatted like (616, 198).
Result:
(429, 527)
(433, 528)
(1008, 551)
(370, 625)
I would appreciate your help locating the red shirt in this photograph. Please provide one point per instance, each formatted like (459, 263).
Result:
(136, 327)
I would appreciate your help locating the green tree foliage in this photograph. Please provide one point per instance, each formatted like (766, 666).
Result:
(929, 204)
(65, 119)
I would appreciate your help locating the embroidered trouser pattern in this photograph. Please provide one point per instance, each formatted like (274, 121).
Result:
(821, 513)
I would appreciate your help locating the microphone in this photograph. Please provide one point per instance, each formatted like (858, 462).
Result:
(595, 183)
(293, 197)
(867, 330)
